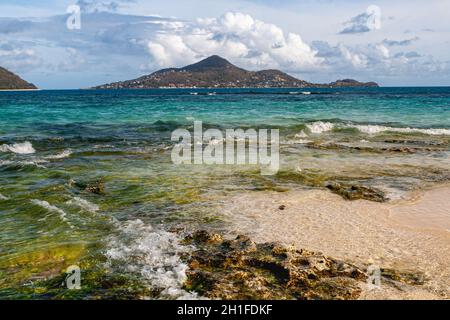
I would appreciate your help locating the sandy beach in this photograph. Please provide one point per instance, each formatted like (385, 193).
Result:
(412, 235)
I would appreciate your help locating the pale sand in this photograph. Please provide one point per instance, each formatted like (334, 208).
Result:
(409, 235)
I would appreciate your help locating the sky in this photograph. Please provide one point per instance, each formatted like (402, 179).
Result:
(395, 43)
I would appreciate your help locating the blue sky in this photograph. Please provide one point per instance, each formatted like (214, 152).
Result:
(395, 44)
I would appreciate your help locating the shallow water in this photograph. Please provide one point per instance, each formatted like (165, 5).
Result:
(393, 139)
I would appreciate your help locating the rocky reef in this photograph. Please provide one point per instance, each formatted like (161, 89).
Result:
(356, 192)
(243, 269)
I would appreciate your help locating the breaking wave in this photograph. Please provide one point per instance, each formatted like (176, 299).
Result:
(21, 164)
(374, 129)
(19, 148)
(44, 204)
(321, 127)
(154, 255)
(83, 204)
(62, 155)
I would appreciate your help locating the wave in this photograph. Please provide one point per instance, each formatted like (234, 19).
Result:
(302, 134)
(83, 204)
(62, 155)
(19, 148)
(321, 127)
(2, 197)
(374, 129)
(21, 164)
(44, 204)
(154, 255)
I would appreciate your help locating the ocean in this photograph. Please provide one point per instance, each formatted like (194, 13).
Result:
(57, 146)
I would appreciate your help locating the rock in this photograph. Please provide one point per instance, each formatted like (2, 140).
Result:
(282, 207)
(355, 192)
(243, 269)
(407, 277)
(203, 236)
(97, 187)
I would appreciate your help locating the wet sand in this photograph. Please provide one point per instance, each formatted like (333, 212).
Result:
(409, 235)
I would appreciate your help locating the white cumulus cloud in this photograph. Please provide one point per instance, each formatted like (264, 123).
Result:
(246, 41)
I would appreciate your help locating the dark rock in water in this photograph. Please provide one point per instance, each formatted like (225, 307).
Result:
(407, 277)
(97, 187)
(203, 236)
(242, 269)
(356, 192)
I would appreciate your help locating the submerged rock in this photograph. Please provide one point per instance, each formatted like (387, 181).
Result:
(243, 269)
(356, 192)
(96, 187)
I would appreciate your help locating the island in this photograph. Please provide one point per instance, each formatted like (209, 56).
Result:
(217, 72)
(11, 81)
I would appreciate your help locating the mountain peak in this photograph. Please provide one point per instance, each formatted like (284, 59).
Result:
(217, 72)
(212, 62)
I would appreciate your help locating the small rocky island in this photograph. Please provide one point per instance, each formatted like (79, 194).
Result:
(11, 81)
(217, 72)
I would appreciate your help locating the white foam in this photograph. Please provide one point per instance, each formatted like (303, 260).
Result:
(83, 204)
(298, 141)
(44, 204)
(62, 155)
(374, 129)
(2, 197)
(5, 162)
(36, 163)
(19, 148)
(320, 127)
(154, 255)
(301, 135)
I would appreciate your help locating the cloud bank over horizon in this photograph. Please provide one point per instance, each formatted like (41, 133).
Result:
(115, 44)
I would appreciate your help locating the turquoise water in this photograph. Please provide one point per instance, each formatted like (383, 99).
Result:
(415, 107)
(54, 142)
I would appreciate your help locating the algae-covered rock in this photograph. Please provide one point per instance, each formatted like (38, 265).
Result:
(356, 192)
(243, 269)
(407, 277)
(96, 187)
